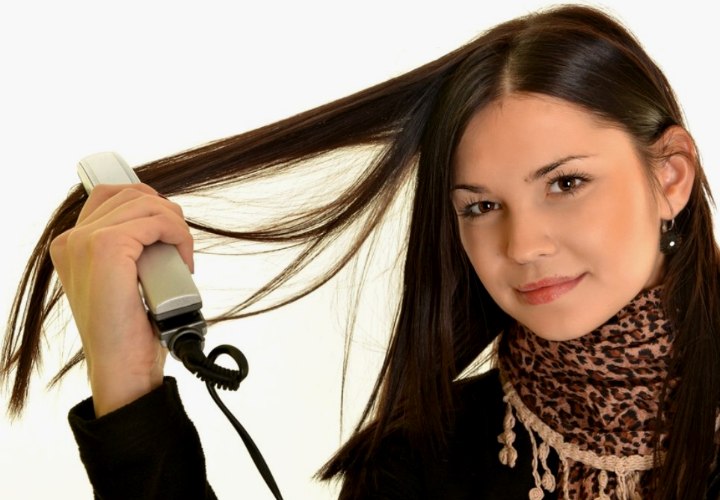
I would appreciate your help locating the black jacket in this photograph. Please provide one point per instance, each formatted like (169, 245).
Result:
(150, 450)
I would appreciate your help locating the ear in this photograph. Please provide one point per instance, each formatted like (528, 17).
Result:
(675, 171)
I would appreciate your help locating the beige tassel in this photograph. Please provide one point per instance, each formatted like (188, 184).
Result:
(548, 480)
(536, 494)
(540, 454)
(602, 483)
(627, 470)
(622, 486)
(633, 485)
(535, 474)
(508, 454)
(566, 477)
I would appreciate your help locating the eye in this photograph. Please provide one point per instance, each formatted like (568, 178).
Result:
(567, 184)
(479, 208)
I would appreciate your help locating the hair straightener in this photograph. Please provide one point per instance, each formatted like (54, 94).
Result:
(169, 292)
(173, 305)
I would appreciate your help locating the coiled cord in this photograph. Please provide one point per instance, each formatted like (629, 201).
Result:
(187, 347)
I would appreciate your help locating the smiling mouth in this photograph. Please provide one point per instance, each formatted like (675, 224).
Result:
(548, 289)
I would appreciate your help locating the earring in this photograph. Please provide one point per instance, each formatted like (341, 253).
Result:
(670, 238)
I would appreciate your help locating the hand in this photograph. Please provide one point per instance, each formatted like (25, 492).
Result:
(96, 262)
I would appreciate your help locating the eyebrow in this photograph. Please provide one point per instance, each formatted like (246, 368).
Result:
(537, 174)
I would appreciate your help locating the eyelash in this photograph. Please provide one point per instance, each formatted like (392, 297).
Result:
(575, 176)
(583, 179)
(467, 210)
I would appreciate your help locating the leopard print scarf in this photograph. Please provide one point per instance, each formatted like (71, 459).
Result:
(593, 400)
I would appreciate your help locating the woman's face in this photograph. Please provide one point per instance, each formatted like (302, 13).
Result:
(556, 214)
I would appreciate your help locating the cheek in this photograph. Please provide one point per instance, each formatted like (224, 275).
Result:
(619, 234)
(481, 248)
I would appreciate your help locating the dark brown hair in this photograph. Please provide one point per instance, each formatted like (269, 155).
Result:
(446, 318)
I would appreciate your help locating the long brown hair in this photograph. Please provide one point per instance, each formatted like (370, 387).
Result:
(445, 317)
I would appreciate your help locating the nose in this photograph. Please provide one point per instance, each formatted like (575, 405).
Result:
(528, 237)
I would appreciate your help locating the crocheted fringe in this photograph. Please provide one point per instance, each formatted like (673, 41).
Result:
(627, 470)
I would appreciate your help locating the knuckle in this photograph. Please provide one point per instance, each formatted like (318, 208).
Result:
(101, 240)
(59, 241)
(103, 191)
(57, 245)
(171, 218)
(71, 239)
(129, 193)
(173, 206)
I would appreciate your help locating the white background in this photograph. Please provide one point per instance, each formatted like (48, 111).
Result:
(148, 79)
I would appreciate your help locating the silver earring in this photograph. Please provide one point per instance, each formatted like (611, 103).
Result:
(670, 238)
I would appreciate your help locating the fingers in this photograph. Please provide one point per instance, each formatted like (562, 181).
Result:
(105, 198)
(102, 193)
(139, 217)
(119, 235)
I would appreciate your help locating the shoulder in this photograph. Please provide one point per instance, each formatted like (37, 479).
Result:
(479, 408)
(479, 398)
(469, 467)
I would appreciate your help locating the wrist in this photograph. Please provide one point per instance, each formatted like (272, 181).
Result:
(113, 390)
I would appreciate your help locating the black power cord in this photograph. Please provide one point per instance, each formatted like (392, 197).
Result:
(187, 346)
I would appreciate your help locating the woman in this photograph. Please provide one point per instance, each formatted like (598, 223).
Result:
(559, 207)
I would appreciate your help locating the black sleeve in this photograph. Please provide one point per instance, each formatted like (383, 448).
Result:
(148, 449)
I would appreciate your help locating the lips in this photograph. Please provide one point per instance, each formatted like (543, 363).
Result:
(548, 289)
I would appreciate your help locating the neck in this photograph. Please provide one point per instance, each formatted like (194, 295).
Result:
(594, 400)
(600, 386)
